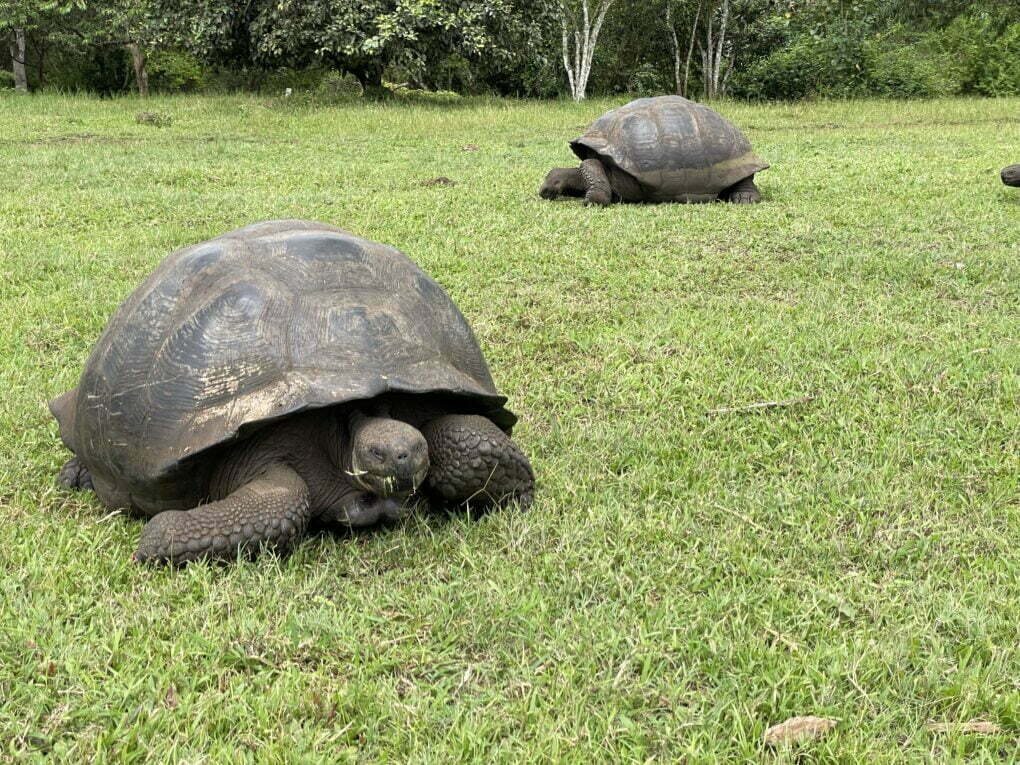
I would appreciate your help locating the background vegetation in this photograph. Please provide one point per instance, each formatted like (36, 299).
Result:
(756, 49)
(684, 579)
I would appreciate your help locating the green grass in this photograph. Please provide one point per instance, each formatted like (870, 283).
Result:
(683, 581)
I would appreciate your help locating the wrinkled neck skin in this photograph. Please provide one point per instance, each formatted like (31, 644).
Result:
(563, 182)
(334, 440)
(353, 422)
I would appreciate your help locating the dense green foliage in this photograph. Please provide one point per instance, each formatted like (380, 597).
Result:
(772, 49)
(683, 580)
(972, 52)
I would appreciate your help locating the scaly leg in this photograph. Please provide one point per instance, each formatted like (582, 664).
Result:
(742, 192)
(271, 509)
(473, 461)
(599, 192)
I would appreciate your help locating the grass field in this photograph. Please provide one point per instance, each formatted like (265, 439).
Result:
(684, 580)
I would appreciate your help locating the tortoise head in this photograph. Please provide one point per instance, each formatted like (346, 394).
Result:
(562, 182)
(1011, 175)
(389, 458)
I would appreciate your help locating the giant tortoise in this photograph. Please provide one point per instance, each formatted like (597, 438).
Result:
(281, 374)
(663, 149)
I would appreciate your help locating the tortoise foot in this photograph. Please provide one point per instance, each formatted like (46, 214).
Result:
(75, 476)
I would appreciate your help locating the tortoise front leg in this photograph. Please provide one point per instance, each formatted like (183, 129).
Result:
(742, 192)
(360, 508)
(272, 509)
(472, 461)
(74, 475)
(599, 191)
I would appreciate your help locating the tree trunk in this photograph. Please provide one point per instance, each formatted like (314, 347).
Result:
(719, 47)
(369, 75)
(690, 47)
(713, 51)
(726, 77)
(141, 75)
(674, 41)
(675, 46)
(18, 60)
(585, 34)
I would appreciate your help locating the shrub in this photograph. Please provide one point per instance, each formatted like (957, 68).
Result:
(418, 95)
(454, 73)
(173, 71)
(329, 88)
(648, 79)
(337, 88)
(806, 67)
(899, 68)
(275, 82)
(102, 69)
(1000, 73)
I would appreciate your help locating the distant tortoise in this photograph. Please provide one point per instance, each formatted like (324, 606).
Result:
(664, 149)
(286, 372)
(1011, 175)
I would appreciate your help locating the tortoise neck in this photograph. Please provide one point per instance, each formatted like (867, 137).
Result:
(573, 182)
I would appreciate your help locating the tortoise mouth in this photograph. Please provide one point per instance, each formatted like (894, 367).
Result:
(548, 191)
(386, 485)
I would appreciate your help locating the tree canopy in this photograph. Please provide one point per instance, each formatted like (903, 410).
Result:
(700, 48)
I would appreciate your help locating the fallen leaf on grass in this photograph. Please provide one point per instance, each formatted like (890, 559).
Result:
(974, 726)
(470, 147)
(798, 729)
(171, 697)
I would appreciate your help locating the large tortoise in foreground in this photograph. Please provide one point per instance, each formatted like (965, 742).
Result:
(1011, 175)
(285, 373)
(664, 149)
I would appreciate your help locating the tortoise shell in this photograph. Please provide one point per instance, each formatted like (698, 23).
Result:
(254, 325)
(676, 149)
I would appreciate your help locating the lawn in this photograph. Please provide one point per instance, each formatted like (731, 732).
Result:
(685, 578)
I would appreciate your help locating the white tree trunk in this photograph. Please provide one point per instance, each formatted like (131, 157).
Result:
(675, 45)
(712, 52)
(674, 39)
(18, 59)
(719, 47)
(584, 33)
(690, 47)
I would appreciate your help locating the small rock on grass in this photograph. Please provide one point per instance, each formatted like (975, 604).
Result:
(797, 730)
(973, 726)
(439, 180)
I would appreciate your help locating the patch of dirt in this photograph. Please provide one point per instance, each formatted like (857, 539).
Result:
(879, 125)
(74, 138)
(439, 180)
(77, 138)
